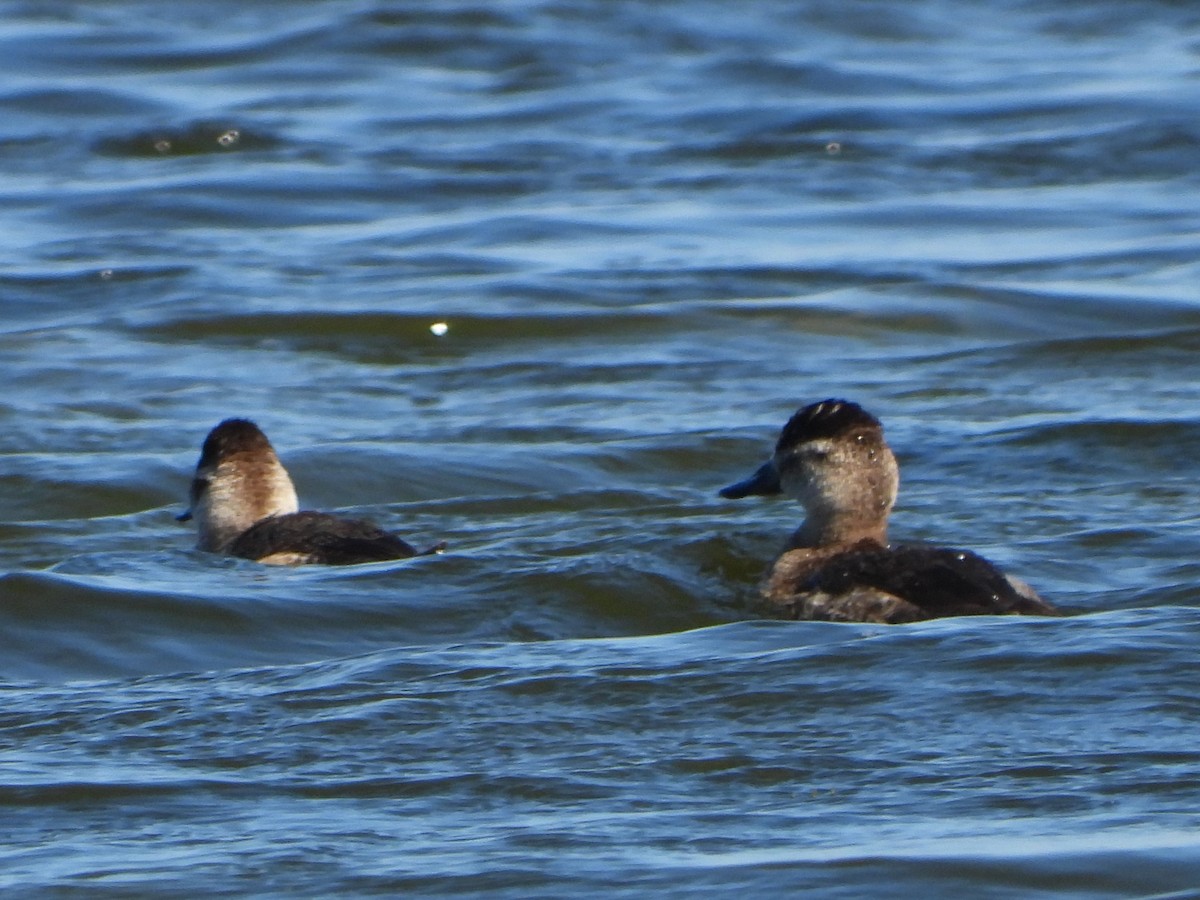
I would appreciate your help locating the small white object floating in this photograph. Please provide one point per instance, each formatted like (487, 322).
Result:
(439, 328)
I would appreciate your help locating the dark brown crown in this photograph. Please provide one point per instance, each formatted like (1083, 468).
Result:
(232, 436)
(827, 419)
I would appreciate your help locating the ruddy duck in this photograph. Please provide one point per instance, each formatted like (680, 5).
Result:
(245, 505)
(838, 566)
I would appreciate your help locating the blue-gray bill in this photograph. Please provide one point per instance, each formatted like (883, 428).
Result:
(764, 482)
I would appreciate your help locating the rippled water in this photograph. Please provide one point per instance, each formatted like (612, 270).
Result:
(652, 231)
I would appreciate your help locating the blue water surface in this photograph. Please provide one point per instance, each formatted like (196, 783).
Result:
(651, 232)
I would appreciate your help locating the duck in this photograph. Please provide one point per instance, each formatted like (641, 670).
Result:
(838, 566)
(245, 505)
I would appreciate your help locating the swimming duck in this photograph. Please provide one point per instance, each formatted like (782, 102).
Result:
(838, 566)
(245, 505)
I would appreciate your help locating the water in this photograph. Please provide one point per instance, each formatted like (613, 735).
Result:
(652, 231)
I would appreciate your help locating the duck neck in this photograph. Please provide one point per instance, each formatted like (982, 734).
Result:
(240, 494)
(831, 531)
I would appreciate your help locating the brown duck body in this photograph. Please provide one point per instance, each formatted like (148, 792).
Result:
(317, 537)
(868, 582)
(832, 458)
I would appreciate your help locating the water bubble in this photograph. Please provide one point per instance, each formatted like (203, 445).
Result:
(439, 328)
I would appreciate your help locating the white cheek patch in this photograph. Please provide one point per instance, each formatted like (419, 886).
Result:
(221, 514)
